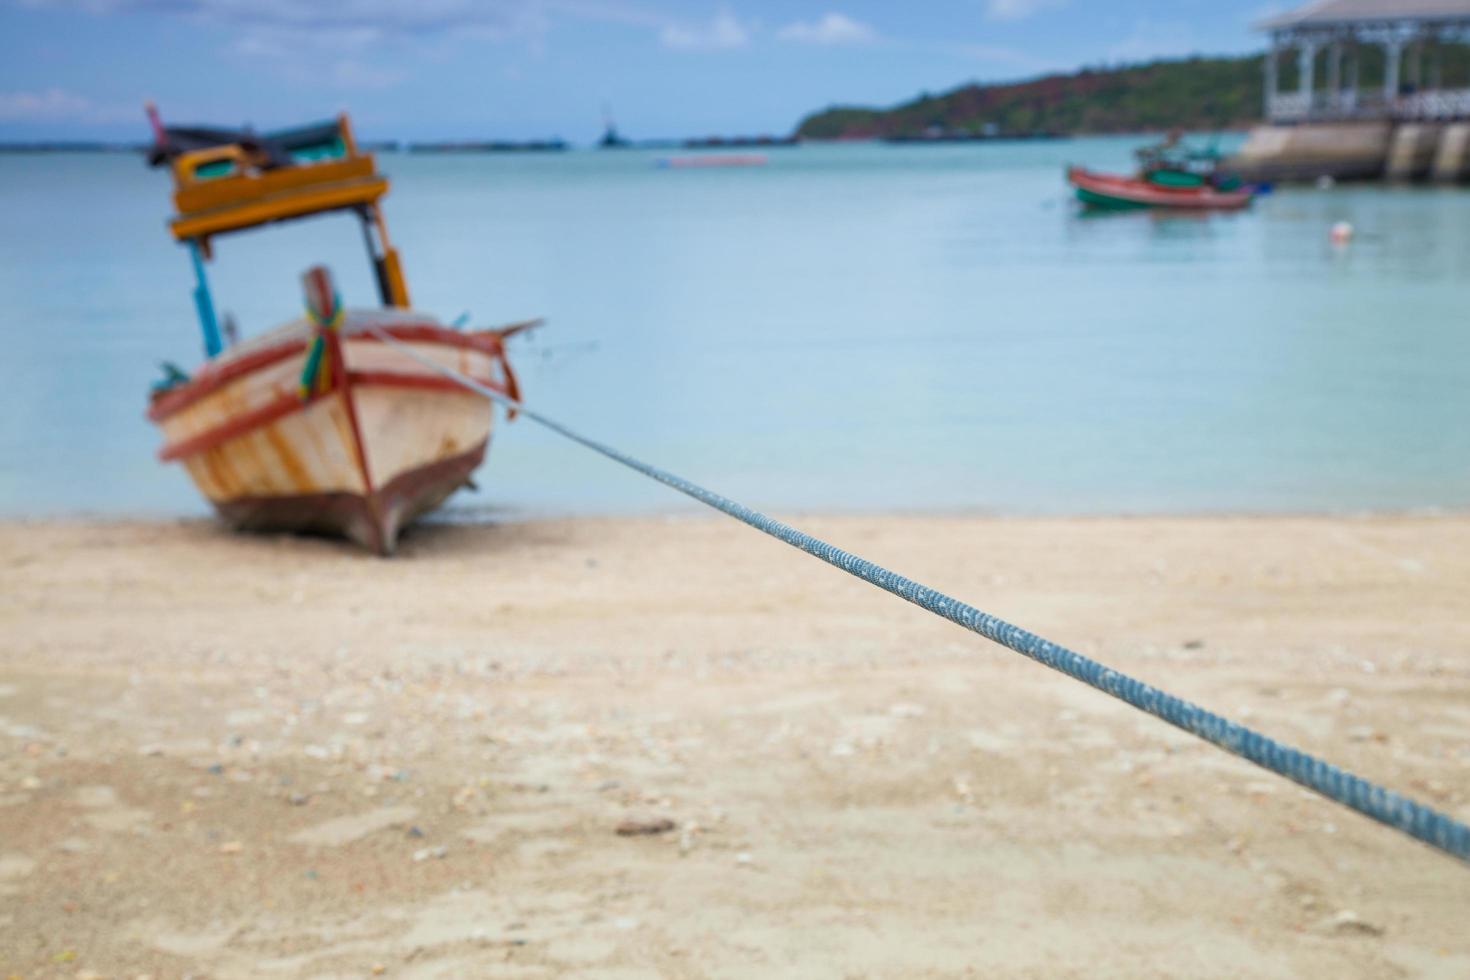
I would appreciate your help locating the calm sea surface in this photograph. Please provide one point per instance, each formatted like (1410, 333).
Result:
(846, 328)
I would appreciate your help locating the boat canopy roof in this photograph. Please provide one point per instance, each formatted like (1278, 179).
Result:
(278, 149)
(228, 180)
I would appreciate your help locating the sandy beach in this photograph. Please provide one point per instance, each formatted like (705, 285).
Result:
(256, 756)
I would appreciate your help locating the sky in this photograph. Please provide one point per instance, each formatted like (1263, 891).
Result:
(524, 69)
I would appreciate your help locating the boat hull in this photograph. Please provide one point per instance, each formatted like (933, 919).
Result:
(373, 521)
(390, 440)
(1126, 193)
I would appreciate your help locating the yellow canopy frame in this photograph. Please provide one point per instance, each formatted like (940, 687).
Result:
(232, 187)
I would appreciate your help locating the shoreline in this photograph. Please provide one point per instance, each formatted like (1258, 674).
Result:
(238, 755)
(490, 516)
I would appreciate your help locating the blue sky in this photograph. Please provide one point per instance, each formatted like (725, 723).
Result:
(518, 69)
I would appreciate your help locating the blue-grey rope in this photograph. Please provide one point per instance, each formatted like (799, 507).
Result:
(1397, 811)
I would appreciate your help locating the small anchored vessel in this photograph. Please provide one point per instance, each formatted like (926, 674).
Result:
(1110, 191)
(691, 160)
(333, 422)
(1170, 176)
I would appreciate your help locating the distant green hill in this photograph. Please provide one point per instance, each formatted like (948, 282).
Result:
(1196, 93)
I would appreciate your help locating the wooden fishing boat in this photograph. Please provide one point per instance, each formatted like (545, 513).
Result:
(1116, 192)
(336, 422)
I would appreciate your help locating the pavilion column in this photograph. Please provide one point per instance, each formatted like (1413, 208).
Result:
(1354, 61)
(1395, 53)
(1306, 67)
(1334, 72)
(1273, 55)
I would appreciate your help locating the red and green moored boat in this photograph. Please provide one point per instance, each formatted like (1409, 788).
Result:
(1155, 190)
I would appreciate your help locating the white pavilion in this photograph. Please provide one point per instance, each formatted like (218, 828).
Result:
(1332, 39)
(1366, 88)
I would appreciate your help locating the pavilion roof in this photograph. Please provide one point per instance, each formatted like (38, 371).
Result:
(1340, 13)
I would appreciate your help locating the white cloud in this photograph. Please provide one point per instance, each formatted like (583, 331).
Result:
(280, 30)
(830, 28)
(349, 16)
(352, 59)
(1003, 58)
(355, 75)
(56, 105)
(345, 44)
(725, 31)
(53, 103)
(1155, 39)
(1017, 9)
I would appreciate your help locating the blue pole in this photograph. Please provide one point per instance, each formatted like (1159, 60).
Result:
(204, 303)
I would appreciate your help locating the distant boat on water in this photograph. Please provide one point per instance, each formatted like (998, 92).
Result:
(1170, 176)
(611, 138)
(1110, 191)
(713, 160)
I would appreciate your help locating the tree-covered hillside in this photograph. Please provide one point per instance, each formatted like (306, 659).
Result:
(1196, 93)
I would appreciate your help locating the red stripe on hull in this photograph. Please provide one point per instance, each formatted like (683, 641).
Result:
(487, 342)
(372, 520)
(240, 425)
(418, 382)
(1142, 193)
(212, 377)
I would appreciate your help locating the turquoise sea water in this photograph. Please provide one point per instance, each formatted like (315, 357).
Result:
(846, 328)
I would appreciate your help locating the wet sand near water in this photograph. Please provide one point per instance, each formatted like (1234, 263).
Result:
(673, 747)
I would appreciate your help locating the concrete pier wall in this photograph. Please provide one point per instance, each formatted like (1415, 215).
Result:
(1411, 152)
(1343, 151)
(1452, 158)
(1356, 151)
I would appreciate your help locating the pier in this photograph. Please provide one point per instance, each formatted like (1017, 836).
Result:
(1365, 90)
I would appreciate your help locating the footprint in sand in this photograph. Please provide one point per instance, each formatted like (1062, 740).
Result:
(13, 867)
(526, 823)
(105, 813)
(177, 942)
(345, 830)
